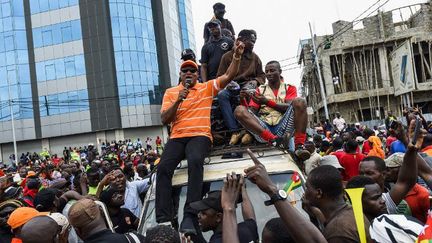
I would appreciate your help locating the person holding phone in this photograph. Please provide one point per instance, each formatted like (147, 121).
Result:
(275, 110)
(187, 108)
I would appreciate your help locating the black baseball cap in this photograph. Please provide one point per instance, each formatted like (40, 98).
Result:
(211, 200)
(219, 7)
(187, 54)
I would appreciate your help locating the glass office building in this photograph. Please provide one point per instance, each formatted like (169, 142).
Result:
(87, 69)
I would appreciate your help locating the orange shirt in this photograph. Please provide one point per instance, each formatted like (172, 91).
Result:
(418, 201)
(193, 115)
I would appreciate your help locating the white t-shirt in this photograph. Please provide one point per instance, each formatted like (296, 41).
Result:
(339, 123)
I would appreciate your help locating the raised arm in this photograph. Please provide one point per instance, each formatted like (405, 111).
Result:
(234, 66)
(260, 75)
(104, 182)
(204, 72)
(230, 192)
(300, 229)
(408, 172)
(247, 207)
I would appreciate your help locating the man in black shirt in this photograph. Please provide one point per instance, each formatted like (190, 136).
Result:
(213, 50)
(122, 218)
(210, 217)
(219, 12)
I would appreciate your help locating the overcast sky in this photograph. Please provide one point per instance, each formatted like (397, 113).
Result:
(280, 24)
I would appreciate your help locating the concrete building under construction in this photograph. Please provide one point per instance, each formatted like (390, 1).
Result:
(372, 65)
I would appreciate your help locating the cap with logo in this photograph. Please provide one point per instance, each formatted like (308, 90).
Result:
(187, 54)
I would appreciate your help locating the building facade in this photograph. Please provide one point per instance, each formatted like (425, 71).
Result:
(371, 66)
(75, 72)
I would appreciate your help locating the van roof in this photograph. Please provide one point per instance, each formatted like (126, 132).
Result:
(216, 169)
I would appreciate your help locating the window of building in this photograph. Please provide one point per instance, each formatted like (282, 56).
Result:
(64, 102)
(70, 68)
(133, 39)
(50, 72)
(56, 34)
(39, 6)
(47, 37)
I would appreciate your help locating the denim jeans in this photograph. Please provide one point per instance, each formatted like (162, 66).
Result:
(226, 98)
(195, 150)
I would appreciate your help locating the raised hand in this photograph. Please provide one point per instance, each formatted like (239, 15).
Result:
(239, 48)
(107, 178)
(421, 134)
(230, 190)
(258, 175)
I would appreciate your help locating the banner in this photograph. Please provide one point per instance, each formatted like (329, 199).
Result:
(402, 69)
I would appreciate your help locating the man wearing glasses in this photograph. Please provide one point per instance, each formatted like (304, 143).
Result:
(187, 107)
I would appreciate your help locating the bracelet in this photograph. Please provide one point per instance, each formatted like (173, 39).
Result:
(236, 58)
(271, 103)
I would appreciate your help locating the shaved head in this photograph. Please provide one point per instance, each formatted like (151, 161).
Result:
(39, 229)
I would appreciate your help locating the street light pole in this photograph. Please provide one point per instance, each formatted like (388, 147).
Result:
(13, 125)
(323, 95)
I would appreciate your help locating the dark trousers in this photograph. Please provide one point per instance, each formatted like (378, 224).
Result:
(195, 150)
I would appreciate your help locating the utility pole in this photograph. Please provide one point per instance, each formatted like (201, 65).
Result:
(13, 125)
(323, 95)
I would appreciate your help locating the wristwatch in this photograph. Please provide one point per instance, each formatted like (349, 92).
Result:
(280, 195)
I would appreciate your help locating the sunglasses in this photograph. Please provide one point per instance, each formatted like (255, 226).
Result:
(191, 70)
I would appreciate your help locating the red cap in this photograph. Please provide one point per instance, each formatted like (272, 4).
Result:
(189, 63)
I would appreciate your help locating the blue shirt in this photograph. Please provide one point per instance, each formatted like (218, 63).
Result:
(132, 199)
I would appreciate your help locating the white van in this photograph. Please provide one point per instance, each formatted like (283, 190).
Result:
(279, 165)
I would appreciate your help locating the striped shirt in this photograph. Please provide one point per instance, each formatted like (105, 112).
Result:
(193, 115)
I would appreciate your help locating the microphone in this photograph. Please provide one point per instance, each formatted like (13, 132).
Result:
(188, 83)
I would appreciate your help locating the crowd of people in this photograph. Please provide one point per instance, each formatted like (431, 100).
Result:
(46, 187)
(86, 195)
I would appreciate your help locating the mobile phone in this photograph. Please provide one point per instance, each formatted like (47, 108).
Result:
(416, 130)
(240, 197)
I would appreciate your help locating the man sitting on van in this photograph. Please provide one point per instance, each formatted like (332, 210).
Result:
(275, 112)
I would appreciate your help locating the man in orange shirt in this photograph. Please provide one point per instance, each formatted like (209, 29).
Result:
(187, 107)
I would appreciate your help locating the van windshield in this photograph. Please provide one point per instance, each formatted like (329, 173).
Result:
(263, 213)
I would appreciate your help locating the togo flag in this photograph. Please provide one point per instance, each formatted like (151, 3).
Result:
(425, 235)
(293, 183)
